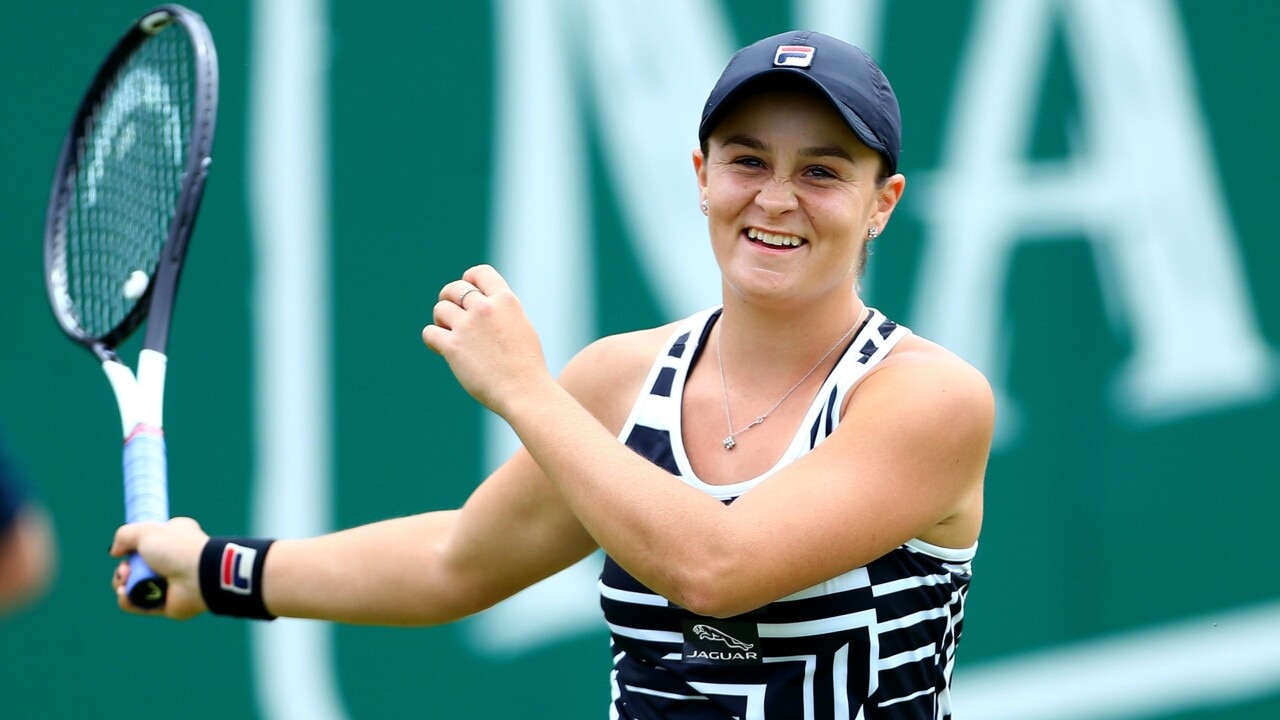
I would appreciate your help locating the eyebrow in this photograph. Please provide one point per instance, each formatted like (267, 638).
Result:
(753, 143)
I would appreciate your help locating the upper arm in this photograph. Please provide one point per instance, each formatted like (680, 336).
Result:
(907, 461)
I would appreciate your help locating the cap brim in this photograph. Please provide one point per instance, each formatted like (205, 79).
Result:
(764, 77)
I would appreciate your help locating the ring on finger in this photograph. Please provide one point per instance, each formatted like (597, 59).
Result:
(464, 295)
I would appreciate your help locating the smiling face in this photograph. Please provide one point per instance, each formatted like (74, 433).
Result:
(791, 193)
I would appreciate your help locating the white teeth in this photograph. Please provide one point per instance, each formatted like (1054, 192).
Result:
(772, 239)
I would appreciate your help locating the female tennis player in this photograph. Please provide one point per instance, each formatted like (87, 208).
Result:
(787, 487)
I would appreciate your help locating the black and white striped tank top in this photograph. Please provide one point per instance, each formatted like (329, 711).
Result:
(876, 643)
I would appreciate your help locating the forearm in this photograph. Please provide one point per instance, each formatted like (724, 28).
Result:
(668, 535)
(388, 573)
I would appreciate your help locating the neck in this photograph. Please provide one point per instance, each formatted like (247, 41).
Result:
(795, 338)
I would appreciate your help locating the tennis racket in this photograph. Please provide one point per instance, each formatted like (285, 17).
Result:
(125, 197)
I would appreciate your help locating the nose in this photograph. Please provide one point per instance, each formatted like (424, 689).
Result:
(777, 196)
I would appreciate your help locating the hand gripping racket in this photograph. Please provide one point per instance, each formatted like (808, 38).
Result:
(125, 197)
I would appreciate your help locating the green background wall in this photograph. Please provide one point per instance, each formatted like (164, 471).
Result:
(1106, 527)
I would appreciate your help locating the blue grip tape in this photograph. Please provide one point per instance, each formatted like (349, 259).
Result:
(146, 498)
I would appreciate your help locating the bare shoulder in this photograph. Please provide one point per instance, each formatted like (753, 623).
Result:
(916, 354)
(606, 376)
(937, 385)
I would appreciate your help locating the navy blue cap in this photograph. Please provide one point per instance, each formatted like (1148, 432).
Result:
(842, 73)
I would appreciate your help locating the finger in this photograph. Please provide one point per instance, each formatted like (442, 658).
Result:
(126, 539)
(446, 314)
(489, 280)
(454, 291)
(118, 584)
(434, 337)
(122, 599)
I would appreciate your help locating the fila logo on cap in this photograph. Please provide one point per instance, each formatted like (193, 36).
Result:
(793, 56)
(237, 568)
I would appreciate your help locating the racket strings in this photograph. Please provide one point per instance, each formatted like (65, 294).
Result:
(128, 178)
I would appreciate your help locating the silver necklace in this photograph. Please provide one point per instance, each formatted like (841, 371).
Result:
(730, 440)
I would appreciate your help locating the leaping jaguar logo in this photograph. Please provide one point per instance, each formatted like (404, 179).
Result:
(706, 632)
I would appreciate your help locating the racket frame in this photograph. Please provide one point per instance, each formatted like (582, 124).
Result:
(140, 397)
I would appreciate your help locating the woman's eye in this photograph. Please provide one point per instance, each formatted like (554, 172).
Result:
(821, 173)
(752, 162)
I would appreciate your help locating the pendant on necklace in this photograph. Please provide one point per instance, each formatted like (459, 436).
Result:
(729, 443)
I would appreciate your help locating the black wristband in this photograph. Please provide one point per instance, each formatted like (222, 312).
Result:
(231, 576)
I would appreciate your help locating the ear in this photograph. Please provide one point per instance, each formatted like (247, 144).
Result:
(887, 197)
(700, 170)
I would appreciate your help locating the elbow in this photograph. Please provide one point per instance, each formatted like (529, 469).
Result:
(455, 590)
(717, 576)
(433, 608)
(718, 604)
(716, 610)
(444, 603)
(717, 590)
(461, 605)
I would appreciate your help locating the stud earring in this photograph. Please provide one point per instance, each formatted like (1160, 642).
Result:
(705, 206)
(872, 232)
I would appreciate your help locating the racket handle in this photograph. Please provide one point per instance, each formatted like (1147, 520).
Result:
(146, 498)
